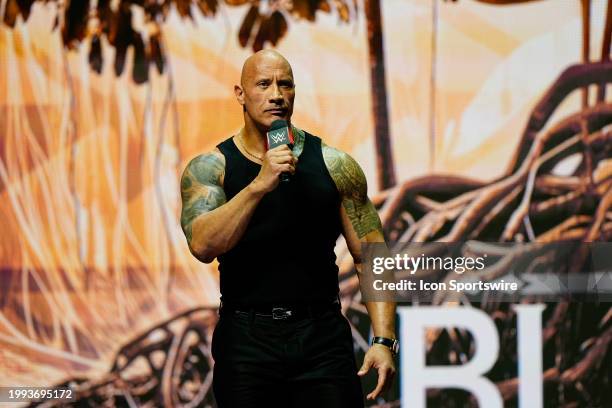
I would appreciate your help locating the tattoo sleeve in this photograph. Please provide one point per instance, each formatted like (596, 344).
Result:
(353, 189)
(201, 188)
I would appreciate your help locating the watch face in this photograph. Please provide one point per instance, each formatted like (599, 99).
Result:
(395, 347)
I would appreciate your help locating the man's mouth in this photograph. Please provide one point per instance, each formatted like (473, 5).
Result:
(277, 111)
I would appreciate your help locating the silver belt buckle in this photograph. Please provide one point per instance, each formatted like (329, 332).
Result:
(280, 313)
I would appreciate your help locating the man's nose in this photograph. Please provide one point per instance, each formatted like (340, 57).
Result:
(276, 94)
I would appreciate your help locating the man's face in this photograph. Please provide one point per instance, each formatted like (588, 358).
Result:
(267, 91)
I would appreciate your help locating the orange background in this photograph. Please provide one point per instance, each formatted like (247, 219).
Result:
(91, 251)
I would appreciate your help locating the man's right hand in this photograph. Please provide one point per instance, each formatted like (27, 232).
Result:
(276, 161)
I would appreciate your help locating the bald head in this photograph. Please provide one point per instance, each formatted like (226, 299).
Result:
(266, 91)
(263, 58)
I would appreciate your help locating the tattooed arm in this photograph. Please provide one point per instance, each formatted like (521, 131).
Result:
(360, 223)
(211, 225)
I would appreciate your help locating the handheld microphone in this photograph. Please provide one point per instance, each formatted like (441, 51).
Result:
(280, 134)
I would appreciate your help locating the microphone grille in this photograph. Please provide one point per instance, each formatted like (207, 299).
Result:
(278, 123)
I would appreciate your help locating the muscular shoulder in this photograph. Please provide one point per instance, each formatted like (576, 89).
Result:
(205, 169)
(201, 187)
(345, 172)
(359, 213)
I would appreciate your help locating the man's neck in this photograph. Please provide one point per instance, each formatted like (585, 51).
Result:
(254, 137)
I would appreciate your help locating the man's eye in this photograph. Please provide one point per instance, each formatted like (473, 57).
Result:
(263, 84)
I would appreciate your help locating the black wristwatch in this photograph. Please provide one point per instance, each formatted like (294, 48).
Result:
(392, 344)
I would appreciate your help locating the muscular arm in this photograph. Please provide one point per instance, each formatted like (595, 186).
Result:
(211, 225)
(360, 223)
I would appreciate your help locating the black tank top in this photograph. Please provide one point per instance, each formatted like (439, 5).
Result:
(286, 255)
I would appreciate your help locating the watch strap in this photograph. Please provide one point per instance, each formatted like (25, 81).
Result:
(391, 344)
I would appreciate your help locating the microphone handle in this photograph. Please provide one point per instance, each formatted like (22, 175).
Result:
(286, 177)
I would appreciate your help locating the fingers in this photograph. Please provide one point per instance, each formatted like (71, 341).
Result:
(278, 168)
(287, 168)
(282, 160)
(286, 158)
(382, 379)
(282, 157)
(386, 370)
(385, 378)
(281, 148)
(277, 161)
(365, 367)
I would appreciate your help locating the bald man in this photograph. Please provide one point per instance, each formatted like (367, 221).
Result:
(281, 339)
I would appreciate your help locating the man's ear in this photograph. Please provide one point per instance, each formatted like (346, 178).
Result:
(239, 94)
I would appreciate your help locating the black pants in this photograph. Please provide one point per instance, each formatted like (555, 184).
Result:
(261, 362)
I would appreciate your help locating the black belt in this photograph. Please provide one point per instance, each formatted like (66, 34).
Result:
(281, 312)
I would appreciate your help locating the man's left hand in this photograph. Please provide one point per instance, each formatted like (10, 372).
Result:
(380, 358)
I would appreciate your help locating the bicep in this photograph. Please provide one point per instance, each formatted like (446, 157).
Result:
(201, 189)
(360, 221)
(360, 224)
(362, 217)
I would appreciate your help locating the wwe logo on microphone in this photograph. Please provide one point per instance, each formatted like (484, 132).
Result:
(279, 134)
(277, 137)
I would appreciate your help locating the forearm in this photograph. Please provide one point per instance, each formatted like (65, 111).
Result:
(382, 315)
(217, 231)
